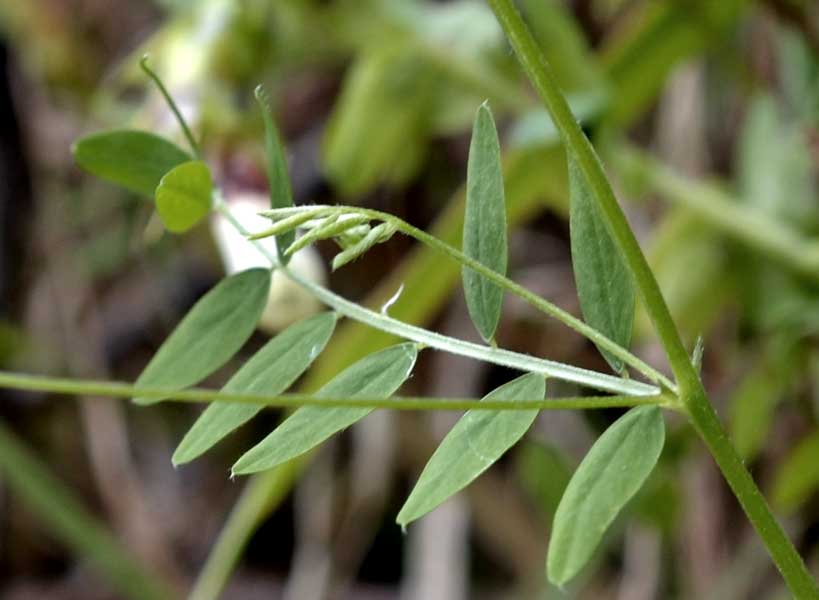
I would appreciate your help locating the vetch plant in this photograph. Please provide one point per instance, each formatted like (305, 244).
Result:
(610, 270)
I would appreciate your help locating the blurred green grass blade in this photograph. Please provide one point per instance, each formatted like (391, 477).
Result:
(135, 160)
(611, 473)
(378, 375)
(774, 166)
(379, 125)
(484, 237)
(604, 284)
(212, 331)
(560, 37)
(754, 400)
(797, 477)
(183, 196)
(271, 370)
(278, 178)
(57, 506)
(478, 439)
(659, 35)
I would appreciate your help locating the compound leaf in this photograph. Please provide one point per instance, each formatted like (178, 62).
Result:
(484, 224)
(183, 196)
(271, 370)
(135, 160)
(609, 476)
(212, 331)
(604, 285)
(378, 375)
(478, 439)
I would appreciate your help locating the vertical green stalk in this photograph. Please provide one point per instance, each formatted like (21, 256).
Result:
(701, 412)
(29, 478)
(260, 495)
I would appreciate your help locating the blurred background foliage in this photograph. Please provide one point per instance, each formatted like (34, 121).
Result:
(707, 114)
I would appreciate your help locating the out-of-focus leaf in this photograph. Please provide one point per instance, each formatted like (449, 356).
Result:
(544, 474)
(775, 169)
(798, 476)
(278, 179)
(753, 403)
(484, 224)
(212, 331)
(640, 56)
(25, 475)
(378, 375)
(560, 38)
(775, 175)
(478, 439)
(609, 476)
(798, 73)
(183, 197)
(377, 132)
(272, 370)
(135, 160)
(604, 284)
(690, 263)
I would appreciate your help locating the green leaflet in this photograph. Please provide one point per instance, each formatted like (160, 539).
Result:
(278, 179)
(478, 439)
(212, 331)
(610, 474)
(604, 284)
(484, 224)
(272, 370)
(183, 196)
(135, 160)
(378, 375)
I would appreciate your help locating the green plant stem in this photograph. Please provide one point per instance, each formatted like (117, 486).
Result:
(146, 68)
(799, 580)
(507, 358)
(702, 414)
(116, 389)
(743, 223)
(26, 476)
(261, 493)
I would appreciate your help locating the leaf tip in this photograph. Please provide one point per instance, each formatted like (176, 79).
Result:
(180, 457)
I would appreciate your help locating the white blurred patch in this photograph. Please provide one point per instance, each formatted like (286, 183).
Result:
(288, 302)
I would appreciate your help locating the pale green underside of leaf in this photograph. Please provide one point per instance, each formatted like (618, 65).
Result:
(183, 197)
(212, 331)
(478, 440)
(271, 370)
(611, 473)
(484, 224)
(378, 375)
(604, 285)
(135, 160)
(281, 193)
